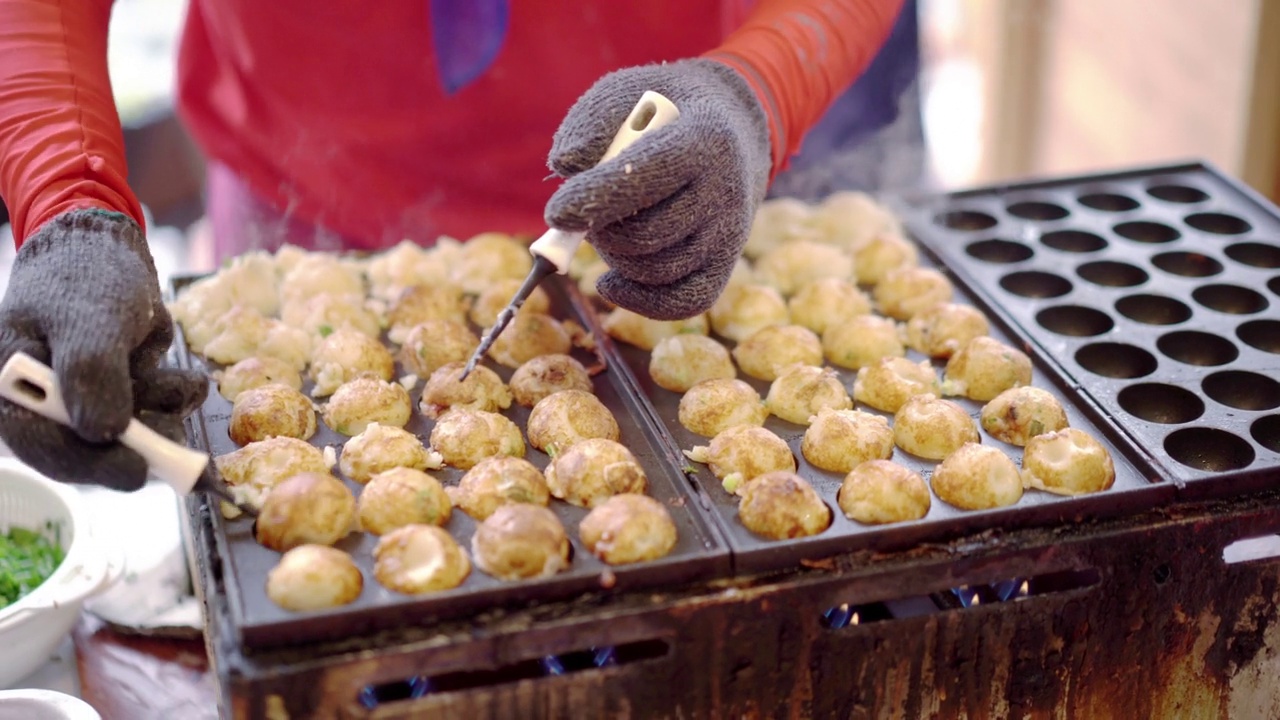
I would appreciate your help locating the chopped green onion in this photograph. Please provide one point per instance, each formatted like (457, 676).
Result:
(27, 559)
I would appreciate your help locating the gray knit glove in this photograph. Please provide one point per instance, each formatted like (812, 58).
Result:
(671, 213)
(83, 298)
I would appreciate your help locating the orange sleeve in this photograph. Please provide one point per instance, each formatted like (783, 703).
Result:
(798, 55)
(61, 146)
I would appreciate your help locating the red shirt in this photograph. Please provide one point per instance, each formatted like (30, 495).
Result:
(333, 111)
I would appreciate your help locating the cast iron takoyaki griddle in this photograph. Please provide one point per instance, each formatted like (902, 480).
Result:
(1156, 292)
(1133, 486)
(699, 554)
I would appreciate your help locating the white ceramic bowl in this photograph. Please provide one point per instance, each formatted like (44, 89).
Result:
(31, 628)
(44, 705)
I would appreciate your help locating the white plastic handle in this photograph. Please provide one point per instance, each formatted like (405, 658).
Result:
(31, 384)
(650, 113)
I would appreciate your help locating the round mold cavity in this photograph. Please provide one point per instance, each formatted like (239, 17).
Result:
(1109, 202)
(1002, 252)
(1219, 223)
(1261, 335)
(1182, 194)
(1037, 210)
(1073, 241)
(1231, 299)
(1255, 254)
(1266, 432)
(1187, 264)
(1197, 348)
(1035, 284)
(1161, 403)
(1209, 449)
(1274, 285)
(1116, 360)
(1075, 320)
(1110, 273)
(965, 220)
(1145, 231)
(1242, 390)
(1153, 309)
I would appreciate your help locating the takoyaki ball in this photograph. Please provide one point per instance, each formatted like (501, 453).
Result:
(984, 368)
(314, 577)
(255, 372)
(932, 428)
(249, 281)
(419, 559)
(881, 491)
(346, 355)
(780, 505)
(422, 303)
(485, 310)
(489, 257)
(319, 273)
(465, 437)
(521, 541)
(862, 340)
(892, 381)
(271, 411)
(546, 375)
(528, 336)
(561, 419)
(482, 390)
(977, 477)
(645, 333)
(306, 509)
(803, 391)
(365, 400)
(1067, 462)
(1019, 414)
(769, 351)
(821, 303)
(243, 332)
(791, 266)
(778, 220)
(682, 361)
(941, 330)
(743, 452)
(497, 481)
(257, 467)
(883, 254)
(382, 447)
(713, 406)
(902, 293)
(403, 266)
(741, 310)
(287, 257)
(402, 496)
(840, 440)
(628, 528)
(436, 343)
(852, 219)
(593, 470)
(327, 312)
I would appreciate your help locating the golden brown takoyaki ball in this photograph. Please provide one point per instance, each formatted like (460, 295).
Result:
(892, 381)
(314, 577)
(881, 491)
(346, 355)
(488, 258)
(777, 221)
(840, 440)
(628, 528)
(521, 541)
(495, 298)
(792, 265)
(742, 452)
(984, 368)
(365, 400)
(561, 419)
(255, 372)
(1019, 414)
(883, 254)
(593, 470)
(941, 330)
(528, 336)
(977, 477)
(902, 293)
(327, 312)
(546, 375)
(769, 351)
(802, 391)
(682, 361)
(852, 219)
(1067, 462)
(434, 343)
(932, 428)
(713, 406)
(743, 309)
(402, 496)
(255, 468)
(645, 333)
(382, 447)
(305, 509)
(417, 304)
(270, 411)
(482, 390)
(861, 340)
(243, 332)
(780, 505)
(419, 559)
(821, 303)
(497, 481)
(465, 437)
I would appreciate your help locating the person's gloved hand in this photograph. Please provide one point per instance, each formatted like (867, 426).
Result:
(83, 298)
(670, 213)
